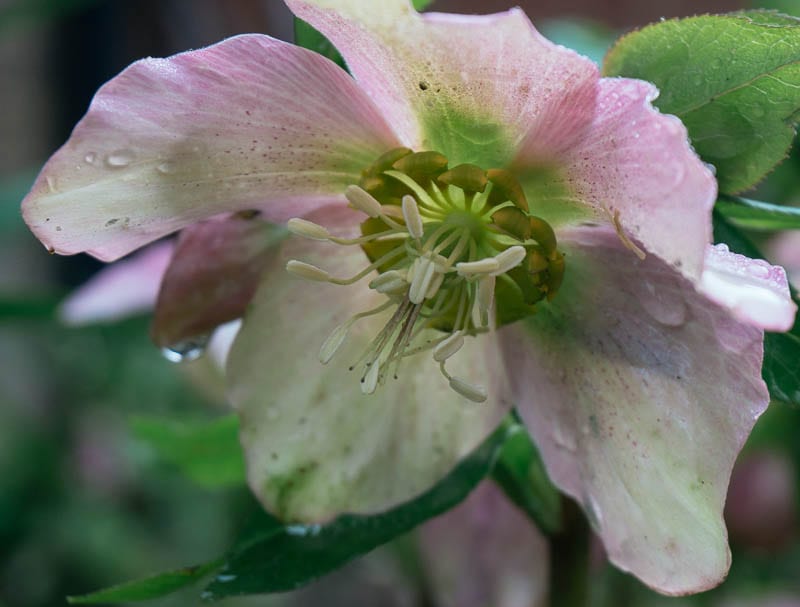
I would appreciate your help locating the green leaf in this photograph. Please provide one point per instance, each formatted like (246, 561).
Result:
(757, 215)
(733, 79)
(308, 37)
(781, 370)
(207, 452)
(32, 11)
(148, 588)
(421, 4)
(521, 473)
(299, 554)
(31, 307)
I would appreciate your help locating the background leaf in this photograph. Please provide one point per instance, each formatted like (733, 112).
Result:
(781, 370)
(291, 556)
(207, 452)
(148, 588)
(757, 215)
(734, 80)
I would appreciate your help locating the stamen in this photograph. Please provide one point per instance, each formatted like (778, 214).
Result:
(448, 347)
(487, 265)
(485, 298)
(336, 338)
(473, 392)
(389, 282)
(625, 239)
(370, 380)
(421, 275)
(510, 259)
(363, 201)
(307, 271)
(307, 229)
(412, 217)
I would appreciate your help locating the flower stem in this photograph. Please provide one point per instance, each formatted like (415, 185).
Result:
(569, 559)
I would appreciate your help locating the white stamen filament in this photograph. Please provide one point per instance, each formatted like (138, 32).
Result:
(412, 217)
(307, 229)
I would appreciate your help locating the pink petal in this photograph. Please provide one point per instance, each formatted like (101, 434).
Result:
(784, 249)
(124, 289)
(214, 274)
(485, 552)
(638, 162)
(471, 87)
(315, 446)
(248, 123)
(754, 291)
(640, 392)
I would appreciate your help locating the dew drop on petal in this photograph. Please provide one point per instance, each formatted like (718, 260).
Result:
(90, 158)
(166, 168)
(119, 159)
(665, 306)
(563, 438)
(186, 350)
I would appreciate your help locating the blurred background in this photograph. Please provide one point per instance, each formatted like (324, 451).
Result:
(94, 490)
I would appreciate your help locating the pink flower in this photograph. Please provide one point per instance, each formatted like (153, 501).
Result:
(545, 246)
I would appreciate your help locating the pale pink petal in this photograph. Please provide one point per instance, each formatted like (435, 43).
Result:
(637, 162)
(124, 289)
(248, 123)
(754, 291)
(471, 87)
(485, 552)
(315, 445)
(214, 273)
(639, 392)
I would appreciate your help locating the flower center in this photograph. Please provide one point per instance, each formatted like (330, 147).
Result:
(444, 242)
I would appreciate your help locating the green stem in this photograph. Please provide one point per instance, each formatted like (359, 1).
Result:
(569, 559)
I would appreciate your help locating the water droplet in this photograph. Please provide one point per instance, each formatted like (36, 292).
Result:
(564, 438)
(119, 159)
(165, 168)
(303, 530)
(665, 305)
(758, 270)
(711, 168)
(225, 578)
(186, 350)
(594, 512)
(90, 158)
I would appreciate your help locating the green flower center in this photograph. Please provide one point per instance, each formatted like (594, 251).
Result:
(455, 249)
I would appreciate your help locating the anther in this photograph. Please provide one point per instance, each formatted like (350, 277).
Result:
(412, 217)
(509, 259)
(448, 347)
(473, 392)
(485, 298)
(370, 380)
(307, 271)
(363, 201)
(421, 275)
(333, 342)
(389, 282)
(487, 265)
(308, 229)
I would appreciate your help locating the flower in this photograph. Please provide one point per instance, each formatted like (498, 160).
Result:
(534, 236)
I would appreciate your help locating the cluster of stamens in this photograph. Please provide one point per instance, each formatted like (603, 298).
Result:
(441, 241)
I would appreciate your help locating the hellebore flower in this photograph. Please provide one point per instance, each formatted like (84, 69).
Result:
(532, 235)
